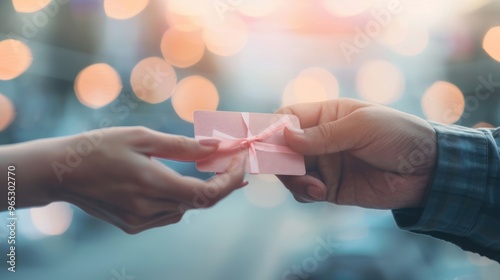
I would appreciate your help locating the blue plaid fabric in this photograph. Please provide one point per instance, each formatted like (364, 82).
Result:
(463, 203)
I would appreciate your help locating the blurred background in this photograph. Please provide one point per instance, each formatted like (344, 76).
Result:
(71, 66)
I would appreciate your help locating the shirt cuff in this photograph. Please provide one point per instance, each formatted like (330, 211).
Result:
(458, 187)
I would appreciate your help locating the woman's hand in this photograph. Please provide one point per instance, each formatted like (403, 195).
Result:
(361, 154)
(110, 174)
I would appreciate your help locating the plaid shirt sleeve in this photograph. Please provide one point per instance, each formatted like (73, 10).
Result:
(463, 203)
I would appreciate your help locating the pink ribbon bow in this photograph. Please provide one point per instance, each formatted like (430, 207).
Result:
(255, 143)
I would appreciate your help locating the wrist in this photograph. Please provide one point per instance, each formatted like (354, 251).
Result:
(422, 160)
(58, 165)
(36, 180)
(460, 180)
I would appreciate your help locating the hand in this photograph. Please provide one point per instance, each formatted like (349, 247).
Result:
(111, 175)
(361, 154)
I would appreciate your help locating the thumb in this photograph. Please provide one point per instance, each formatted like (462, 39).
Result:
(326, 138)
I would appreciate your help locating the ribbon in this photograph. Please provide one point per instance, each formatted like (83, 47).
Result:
(255, 143)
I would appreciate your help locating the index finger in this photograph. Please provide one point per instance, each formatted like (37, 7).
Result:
(174, 147)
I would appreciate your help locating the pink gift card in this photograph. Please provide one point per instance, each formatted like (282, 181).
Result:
(259, 136)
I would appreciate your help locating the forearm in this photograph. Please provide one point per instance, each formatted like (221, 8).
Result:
(33, 178)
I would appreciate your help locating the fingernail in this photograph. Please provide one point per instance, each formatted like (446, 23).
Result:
(209, 142)
(295, 130)
(315, 193)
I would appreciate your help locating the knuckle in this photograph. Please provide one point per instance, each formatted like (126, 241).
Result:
(139, 136)
(365, 114)
(110, 130)
(140, 130)
(326, 132)
(146, 183)
(140, 133)
(181, 144)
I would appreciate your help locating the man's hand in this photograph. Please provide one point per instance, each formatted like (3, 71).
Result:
(361, 154)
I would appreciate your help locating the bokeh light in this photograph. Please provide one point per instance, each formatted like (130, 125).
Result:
(395, 33)
(53, 219)
(471, 6)
(29, 6)
(344, 8)
(327, 80)
(178, 56)
(416, 41)
(183, 22)
(189, 7)
(296, 15)
(15, 59)
(153, 80)
(258, 8)
(97, 85)
(303, 90)
(183, 47)
(194, 93)
(226, 37)
(124, 9)
(443, 102)
(193, 12)
(7, 112)
(311, 85)
(380, 82)
(491, 43)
